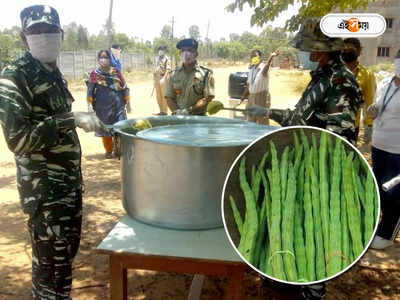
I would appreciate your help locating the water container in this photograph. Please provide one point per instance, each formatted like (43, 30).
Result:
(237, 84)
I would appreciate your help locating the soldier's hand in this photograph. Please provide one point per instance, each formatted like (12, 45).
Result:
(88, 121)
(202, 102)
(182, 112)
(373, 111)
(257, 111)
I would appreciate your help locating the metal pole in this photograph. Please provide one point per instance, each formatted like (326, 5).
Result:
(173, 62)
(110, 25)
(84, 62)
(74, 63)
(207, 42)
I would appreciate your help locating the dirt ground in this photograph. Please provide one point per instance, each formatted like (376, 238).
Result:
(376, 276)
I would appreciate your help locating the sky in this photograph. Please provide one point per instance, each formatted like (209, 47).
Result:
(144, 19)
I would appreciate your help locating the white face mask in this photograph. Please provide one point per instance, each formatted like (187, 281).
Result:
(397, 67)
(161, 53)
(306, 62)
(45, 47)
(188, 57)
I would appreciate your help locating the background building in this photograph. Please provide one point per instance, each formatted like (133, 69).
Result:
(377, 50)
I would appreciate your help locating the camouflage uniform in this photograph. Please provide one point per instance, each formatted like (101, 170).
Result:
(333, 97)
(331, 100)
(35, 114)
(186, 88)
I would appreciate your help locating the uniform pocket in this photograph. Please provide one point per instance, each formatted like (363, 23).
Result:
(32, 183)
(197, 86)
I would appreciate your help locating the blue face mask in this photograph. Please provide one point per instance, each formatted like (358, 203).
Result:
(305, 62)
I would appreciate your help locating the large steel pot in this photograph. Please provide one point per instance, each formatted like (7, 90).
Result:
(174, 186)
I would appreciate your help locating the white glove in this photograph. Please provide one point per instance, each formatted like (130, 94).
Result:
(182, 112)
(88, 121)
(257, 111)
(373, 111)
(90, 107)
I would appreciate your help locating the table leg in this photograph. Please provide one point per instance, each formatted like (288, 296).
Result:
(234, 289)
(118, 279)
(195, 287)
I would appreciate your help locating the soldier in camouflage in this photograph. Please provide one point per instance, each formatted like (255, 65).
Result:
(331, 101)
(333, 97)
(190, 87)
(39, 127)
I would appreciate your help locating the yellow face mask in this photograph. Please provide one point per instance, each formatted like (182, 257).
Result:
(255, 60)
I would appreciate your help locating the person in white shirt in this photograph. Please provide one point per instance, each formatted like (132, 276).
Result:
(257, 89)
(386, 154)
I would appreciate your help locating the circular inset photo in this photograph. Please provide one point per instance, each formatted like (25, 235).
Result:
(300, 205)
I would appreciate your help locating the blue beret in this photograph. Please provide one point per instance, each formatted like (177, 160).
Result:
(37, 14)
(187, 43)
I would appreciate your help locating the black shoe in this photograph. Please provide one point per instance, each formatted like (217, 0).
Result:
(314, 292)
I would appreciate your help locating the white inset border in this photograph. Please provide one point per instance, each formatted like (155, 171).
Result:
(237, 161)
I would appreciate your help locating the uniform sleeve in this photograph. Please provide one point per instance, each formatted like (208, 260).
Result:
(209, 90)
(281, 116)
(369, 94)
(344, 100)
(170, 94)
(304, 109)
(21, 134)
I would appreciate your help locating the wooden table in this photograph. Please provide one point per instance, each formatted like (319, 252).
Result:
(134, 245)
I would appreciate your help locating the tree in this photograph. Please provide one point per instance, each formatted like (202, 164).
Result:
(14, 34)
(222, 49)
(194, 32)
(82, 36)
(268, 10)
(7, 50)
(237, 50)
(97, 42)
(249, 40)
(71, 37)
(166, 32)
(122, 40)
(234, 37)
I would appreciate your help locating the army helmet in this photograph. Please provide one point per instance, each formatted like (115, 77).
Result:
(310, 38)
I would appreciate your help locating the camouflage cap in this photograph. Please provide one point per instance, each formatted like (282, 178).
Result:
(187, 43)
(39, 14)
(311, 38)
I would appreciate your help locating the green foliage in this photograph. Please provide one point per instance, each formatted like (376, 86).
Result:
(269, 10)
(194, 32)
(166, 32)
(10, 45)
(222, 49)
(237, 48)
